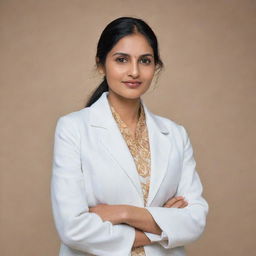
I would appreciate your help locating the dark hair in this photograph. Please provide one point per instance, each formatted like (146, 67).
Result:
(113, 32)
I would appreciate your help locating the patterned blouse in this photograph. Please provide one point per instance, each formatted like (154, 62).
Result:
(140, 150)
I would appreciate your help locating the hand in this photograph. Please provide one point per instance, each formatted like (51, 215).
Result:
(140, 239)
(113, 213)
(176, 202)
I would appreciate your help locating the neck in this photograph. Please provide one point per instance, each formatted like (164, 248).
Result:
(128, 109)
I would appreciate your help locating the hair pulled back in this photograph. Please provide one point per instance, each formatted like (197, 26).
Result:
(113, 32)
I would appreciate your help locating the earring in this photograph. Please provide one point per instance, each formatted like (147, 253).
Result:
(153, 83)
(101, 72)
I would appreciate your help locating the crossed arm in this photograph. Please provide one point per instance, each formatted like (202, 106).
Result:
(137, 217)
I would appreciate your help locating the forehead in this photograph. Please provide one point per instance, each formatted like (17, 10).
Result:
(135, 44)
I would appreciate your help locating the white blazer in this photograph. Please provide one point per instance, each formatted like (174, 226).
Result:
(93, 165)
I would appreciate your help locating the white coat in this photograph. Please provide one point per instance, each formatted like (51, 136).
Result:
(93, 165)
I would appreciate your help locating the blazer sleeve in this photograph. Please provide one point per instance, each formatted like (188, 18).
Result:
(78, 228)
(183, 225)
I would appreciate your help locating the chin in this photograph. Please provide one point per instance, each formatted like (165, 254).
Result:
(132, 95)
(135, 93)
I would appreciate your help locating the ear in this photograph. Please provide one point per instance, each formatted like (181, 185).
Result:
(101, 70)
(157, 69)
(100, 67)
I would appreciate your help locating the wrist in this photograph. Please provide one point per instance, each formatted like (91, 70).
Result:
(141, 239)
(126, 212)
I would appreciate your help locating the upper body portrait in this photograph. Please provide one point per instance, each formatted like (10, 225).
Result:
(124, 180)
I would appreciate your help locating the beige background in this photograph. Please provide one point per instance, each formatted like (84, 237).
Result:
(208, 85)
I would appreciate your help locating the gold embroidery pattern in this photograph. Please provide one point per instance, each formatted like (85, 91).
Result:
(140, 150)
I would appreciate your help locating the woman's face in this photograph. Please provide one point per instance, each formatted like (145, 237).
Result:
(130, 67)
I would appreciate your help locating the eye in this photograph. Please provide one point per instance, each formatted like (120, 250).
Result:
(121, 59)
(146, 61)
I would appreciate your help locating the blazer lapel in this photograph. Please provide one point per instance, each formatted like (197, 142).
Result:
(113, 141)
(160, 148)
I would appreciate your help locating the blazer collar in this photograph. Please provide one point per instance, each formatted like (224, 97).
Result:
(101, 114)
(111, 138)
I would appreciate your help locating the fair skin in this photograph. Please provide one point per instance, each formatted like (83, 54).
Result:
(130, 59)
(131, 62)
(137, 217)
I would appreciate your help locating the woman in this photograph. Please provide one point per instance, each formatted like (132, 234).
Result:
(124, 179)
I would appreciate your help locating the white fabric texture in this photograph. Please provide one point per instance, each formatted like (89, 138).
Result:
(92, 165)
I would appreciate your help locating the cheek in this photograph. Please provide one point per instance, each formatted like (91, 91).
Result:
(149, 74)
(114, 72)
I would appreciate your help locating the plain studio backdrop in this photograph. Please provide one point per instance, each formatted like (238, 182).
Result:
(208, 85)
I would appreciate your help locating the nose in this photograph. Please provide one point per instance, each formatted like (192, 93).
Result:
(134, 70)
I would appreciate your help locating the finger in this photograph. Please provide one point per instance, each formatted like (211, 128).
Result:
(172, 201)
(178, 204)
(91, 209)
(181, 204)
(184, 204)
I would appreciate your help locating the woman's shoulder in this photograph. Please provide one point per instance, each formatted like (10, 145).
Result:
(74, 118)
(170, 125)
(167, 122)
(76, 115)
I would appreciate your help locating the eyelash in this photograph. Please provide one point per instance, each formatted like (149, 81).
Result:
(121, 60)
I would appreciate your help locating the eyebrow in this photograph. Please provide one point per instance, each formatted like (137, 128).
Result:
(126, 54)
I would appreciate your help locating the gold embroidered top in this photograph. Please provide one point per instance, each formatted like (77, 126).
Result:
(140, 150)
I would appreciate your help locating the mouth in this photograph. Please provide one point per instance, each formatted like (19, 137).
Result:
(132, 83)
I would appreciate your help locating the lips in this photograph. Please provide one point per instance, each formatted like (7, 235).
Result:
(132, 83)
